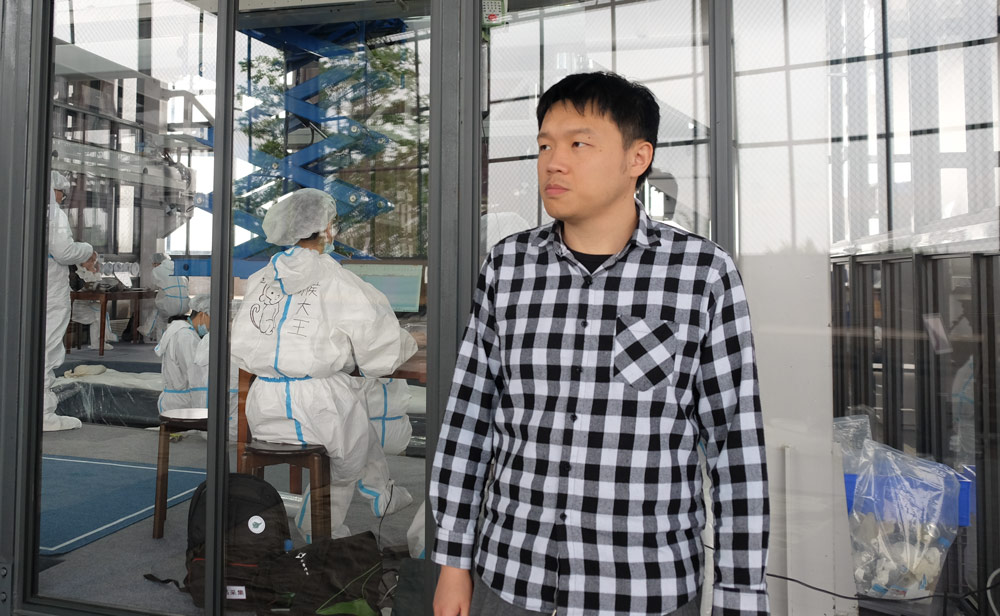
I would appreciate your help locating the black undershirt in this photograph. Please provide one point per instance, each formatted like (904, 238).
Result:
(591, 262)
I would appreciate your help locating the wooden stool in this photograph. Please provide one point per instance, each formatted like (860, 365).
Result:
(177, 420)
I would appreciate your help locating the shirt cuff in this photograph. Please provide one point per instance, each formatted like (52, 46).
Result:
(730, 601)
(453, 549)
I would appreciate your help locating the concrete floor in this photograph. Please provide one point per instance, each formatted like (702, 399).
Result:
(109, 571)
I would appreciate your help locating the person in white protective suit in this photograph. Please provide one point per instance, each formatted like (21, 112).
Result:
(171, 296)
(387, 400)
(305, 324)
(177, 349)
(88, 312)
(198, 374)
(63, 252)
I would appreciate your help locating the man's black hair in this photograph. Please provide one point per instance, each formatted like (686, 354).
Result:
(631, 106)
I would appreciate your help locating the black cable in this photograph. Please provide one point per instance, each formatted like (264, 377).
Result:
(378, 540)
(945, 596)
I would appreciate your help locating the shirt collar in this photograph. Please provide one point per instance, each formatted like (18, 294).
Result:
(646, 234)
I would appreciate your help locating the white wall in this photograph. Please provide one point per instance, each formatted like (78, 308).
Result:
(790, 310)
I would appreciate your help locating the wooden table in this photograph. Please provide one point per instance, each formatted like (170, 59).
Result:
(133, 297)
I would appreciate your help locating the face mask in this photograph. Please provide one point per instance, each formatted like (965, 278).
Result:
(202, 330)
(329, 245)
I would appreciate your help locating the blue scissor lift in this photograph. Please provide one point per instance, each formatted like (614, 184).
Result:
(348, 78)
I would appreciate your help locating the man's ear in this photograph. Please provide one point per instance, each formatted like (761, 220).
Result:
(640, 155)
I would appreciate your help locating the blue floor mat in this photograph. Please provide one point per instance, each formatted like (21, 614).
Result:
(85, 499)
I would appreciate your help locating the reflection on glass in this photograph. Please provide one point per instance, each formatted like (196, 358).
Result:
(329, 341)
(956, 362)
(956, 403)
(869, 156)
(536, 48)
(125, 398)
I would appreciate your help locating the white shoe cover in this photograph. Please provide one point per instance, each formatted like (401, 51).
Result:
(55, 423)
(398, 498)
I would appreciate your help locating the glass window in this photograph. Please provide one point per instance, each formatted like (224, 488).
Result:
(537, 47)
(122, 447)
(956, 359)
(329, 339)
(880, 172)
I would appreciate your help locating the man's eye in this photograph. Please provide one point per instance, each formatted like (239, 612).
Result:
(542, 148)
(577, 144)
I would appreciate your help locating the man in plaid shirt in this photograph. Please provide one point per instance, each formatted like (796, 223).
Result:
(603, 350)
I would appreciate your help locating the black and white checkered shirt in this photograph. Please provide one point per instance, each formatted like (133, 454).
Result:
(590, 393)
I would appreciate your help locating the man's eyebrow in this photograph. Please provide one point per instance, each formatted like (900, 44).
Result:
(575, 131)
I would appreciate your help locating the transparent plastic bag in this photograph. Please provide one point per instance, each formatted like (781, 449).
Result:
(851, 433)
(903, 520)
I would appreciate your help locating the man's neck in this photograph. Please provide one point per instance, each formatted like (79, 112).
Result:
(604, 235)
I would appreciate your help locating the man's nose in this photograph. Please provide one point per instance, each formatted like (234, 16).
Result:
(555, 161)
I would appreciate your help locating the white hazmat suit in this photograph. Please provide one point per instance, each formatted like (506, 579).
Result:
(304, 325)
(177, 349)
(171, 297)
(63, 252)
(198, 378)
(387, 401)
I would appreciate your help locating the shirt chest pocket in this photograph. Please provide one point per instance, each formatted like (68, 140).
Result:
(644, 352)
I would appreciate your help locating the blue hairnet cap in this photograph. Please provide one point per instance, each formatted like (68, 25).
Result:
(303, 213)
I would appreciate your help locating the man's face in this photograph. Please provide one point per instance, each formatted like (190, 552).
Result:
(583, 165)
(60, 196)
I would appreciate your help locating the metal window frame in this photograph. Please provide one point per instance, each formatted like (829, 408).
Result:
(453, 225)
(892, 353)
(721, 110)
(862, 317)
(839, 288)
(988, 421)
(24, 76)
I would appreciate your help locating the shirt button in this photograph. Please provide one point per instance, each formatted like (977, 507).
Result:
(586, 281)
(564, 468)
(583, 324)
(562, 516)
(573, 417)
(577, 371)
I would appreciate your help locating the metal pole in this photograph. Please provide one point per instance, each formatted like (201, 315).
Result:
(451, 248)
(720, 95)
(26, 48)
(221, 285)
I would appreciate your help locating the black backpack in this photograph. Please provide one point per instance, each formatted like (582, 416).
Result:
(330, 576)
(256, 532)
